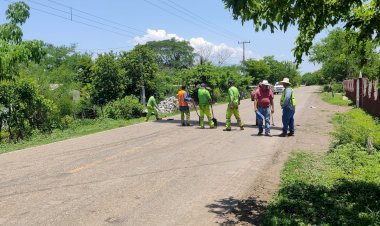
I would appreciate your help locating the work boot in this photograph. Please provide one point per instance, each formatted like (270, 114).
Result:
(268, 135)
(283, 135)
(188, 124)
(259, 133)
(241, 128)
(291, 134)
(183, 124)
(227, 129)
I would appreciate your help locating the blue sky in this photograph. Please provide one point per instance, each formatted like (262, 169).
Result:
(101, 26)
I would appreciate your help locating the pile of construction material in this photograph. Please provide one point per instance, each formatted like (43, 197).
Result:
(168, 105)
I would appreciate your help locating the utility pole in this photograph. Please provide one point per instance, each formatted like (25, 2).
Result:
(244, 42)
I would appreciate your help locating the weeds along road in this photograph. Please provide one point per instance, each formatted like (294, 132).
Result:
(154, 173)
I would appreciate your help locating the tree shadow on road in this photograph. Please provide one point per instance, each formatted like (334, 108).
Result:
(232, 211)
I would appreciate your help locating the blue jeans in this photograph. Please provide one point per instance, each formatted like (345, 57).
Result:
(288, 119)
(266, 113)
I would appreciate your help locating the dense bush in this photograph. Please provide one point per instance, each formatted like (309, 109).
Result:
(126, 108)
(310, 79)
(335, 87)
(24, 110)
(356, 126)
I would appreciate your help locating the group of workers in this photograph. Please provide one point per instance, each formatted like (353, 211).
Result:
(263, 106)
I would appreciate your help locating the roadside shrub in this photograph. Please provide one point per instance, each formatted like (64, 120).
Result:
(217, 95)
(25, 110)
(335, 87)
(66, 121)
(356, 126)
(126, 108)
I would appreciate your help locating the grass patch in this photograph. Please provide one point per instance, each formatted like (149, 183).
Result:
(356, 126)
(76, 129)
(335, 189)
(341, 187)
(336, 100)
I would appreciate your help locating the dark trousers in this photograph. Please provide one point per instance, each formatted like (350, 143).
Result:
(288, 119)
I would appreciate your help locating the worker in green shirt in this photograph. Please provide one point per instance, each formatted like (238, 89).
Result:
(152, 107)
(233, 106)
(204, 99)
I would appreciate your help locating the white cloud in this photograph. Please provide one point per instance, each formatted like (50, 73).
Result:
(156, 35)
(217, 53)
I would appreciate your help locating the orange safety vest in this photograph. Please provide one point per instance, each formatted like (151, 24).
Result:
(181, 99)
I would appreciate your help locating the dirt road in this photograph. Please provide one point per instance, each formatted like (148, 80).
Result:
(154, 173)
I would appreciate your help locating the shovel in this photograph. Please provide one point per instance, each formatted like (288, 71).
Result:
(214, 120)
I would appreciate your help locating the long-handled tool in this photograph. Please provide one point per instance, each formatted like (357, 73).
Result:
(272, 119)
(214, 120)
(260, 117)
(196, 111)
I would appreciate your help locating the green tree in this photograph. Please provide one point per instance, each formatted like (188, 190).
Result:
(57, 55)
(215, 77)
(14, 51)
(339, 61)
(173, 53)
(107, 80)
(22, 108)
(83, 68)
(314, 78)
(311, 17)
(257, 69)
(272, 70)
(141, 69)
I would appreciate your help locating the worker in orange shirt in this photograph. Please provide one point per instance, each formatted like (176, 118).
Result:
(183, 100)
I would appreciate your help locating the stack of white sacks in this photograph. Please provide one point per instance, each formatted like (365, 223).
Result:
(168, 105)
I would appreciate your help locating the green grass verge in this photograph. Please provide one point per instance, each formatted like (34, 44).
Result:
(336, 100)
(77, 128)
(341, 187)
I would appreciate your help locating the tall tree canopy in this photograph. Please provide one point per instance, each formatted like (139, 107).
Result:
(172, 53)
(22, 108)
(271, 70)
(338, 60)
(311, 17)
(140, 68)
(14, 51)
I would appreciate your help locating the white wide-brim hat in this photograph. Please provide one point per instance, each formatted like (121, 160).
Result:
(265, 83)
(285, 80)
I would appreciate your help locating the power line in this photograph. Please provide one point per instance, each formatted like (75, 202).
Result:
(75, 21)
(82, 17)
(101, 18)
(168, 11)
(196, 16)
